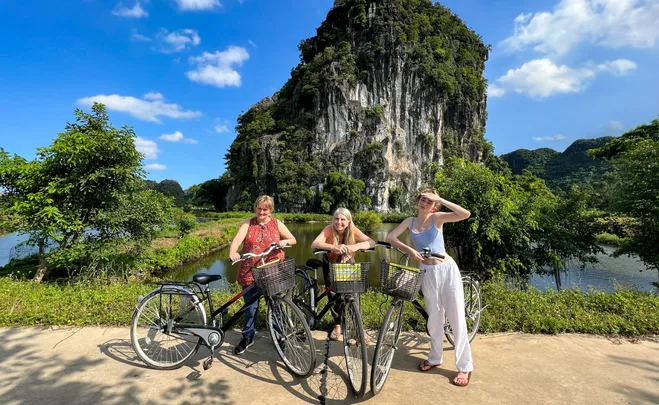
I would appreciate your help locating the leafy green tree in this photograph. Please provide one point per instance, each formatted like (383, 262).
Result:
(85, 189)
(517, 225)
(342, 191)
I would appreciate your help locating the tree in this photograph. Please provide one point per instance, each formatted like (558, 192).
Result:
(84, 190)
(517, 225)
(634, 188)
(342, 191)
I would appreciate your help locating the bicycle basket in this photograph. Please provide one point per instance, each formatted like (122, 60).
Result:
(273, 278)
(400, 281)
(349, 277)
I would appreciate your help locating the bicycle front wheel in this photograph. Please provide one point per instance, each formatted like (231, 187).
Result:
(154, 326)
(386, 346)
(354, 347)
(291, 336)
(472, 297)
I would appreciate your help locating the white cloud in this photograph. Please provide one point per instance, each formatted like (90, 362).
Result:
(221, 128)
(153, 96)
(155, 166)
(541, 78)
(136, 12)
(618, 67)
(495, 91)
(147, 147)
(177, 136)
(612, 128)
(177, 41)
(146, 110)
(217, 69)
(557, 137)
(139, 37)
(611, 23)
(196, 5)
(249, 41)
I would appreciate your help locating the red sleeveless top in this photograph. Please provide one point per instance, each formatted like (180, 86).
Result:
(258, 239)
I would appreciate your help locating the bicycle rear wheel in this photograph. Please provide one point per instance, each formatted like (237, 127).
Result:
(153, 327)
(472, 297)
(291, 336)
(301, 295)
(354, 346)
(386, 346)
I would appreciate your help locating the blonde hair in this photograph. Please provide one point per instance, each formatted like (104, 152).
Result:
(267, 200)
(427, 190)
(348, 238)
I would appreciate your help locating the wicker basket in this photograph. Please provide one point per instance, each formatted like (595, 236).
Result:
(349, 277)
(400, 281)
(274, 278)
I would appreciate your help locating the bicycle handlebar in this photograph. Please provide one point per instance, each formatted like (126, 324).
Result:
(324, 251)
(272, 247)
(425, 253)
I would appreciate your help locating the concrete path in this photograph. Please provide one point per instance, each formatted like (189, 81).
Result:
(98, 366)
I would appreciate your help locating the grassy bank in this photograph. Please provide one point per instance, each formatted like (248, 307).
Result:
(609, 239)
(626, 312)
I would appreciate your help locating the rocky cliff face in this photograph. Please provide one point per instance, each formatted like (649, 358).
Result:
(385, 92)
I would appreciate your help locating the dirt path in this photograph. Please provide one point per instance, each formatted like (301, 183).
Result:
(98, 366)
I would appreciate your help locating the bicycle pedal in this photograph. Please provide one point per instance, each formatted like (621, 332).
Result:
(208, 363)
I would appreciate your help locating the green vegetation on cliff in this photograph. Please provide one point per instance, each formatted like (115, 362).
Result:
(274, 151)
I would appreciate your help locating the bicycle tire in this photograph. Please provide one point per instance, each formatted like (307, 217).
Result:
(298, 337)
(354, 337)
(301, 295)
(472, 300)
(393, 322)
(151, 304)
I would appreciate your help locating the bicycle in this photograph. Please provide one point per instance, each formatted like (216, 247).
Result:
(189, 327)
(403, 283)
(346, 280)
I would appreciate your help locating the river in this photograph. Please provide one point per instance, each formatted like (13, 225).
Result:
(624, 270)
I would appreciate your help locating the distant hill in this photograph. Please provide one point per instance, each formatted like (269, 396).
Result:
(562, 169)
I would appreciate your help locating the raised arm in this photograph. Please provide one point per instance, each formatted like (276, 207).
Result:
(392, 238)
(458, 214)
(289, 239)
(238, 240)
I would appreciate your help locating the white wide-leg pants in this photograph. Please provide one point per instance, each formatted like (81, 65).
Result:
(443, 294)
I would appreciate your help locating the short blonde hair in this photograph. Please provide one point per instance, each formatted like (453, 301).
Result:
(267, 200)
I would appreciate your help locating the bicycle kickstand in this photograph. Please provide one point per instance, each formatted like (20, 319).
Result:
(208, 363)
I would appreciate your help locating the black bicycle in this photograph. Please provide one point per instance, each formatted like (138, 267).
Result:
(403, 283)
(346, 280)
(170, 323)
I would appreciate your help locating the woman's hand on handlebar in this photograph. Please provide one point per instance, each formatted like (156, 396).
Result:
(234, 256)
(416, 255)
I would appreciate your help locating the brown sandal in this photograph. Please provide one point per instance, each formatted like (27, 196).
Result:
(426, 366)
(462, 385)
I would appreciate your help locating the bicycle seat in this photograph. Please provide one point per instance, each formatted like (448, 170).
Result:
(203, 278)
(314, 263)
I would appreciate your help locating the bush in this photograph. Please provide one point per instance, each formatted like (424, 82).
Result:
(367, 221)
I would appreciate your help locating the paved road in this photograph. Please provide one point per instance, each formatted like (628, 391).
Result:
(98, 366)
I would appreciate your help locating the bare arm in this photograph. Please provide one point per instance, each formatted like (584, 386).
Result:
(458, 214)
(363, 241)
(392, 238)
(320, 244)
(238, 240)
(289, 239)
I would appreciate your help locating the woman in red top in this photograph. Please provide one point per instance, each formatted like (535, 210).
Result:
(343, 239)
(258, 234)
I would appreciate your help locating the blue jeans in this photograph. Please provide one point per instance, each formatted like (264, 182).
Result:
(249, 317)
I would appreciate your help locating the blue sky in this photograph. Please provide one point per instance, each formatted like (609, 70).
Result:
(180, 71)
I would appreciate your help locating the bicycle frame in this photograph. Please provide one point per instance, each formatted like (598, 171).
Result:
(313, 289)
